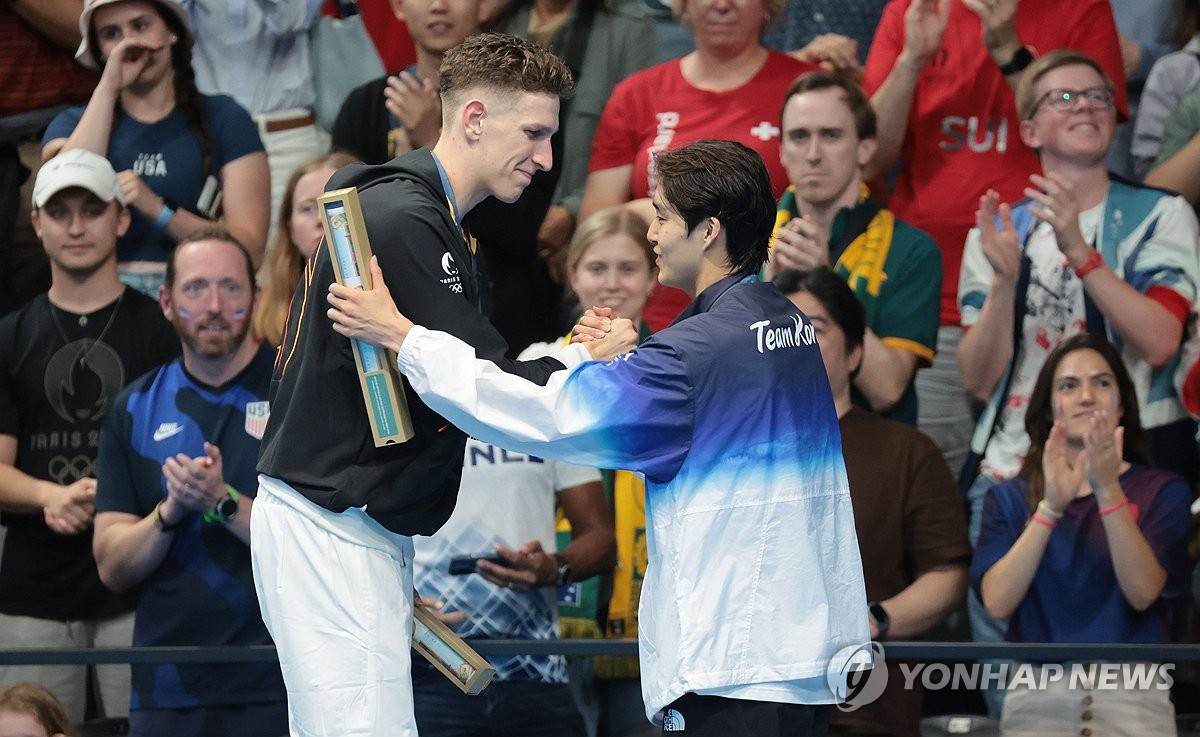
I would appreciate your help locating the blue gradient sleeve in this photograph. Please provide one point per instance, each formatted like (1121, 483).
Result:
(633, 412)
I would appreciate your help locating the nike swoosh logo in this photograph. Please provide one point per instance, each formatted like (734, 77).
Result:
(166, 430)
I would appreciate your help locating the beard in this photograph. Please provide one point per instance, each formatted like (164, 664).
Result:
(213, 346)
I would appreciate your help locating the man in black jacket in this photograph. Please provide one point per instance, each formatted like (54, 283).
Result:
(331, 539)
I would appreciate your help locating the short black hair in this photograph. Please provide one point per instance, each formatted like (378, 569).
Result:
(834, 295)
(727, 181)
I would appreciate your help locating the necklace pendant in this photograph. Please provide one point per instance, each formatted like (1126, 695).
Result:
(83, 321)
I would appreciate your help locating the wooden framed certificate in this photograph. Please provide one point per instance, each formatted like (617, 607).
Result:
(350, 252)
(448, 652)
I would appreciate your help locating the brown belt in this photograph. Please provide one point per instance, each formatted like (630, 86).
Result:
(274, 126)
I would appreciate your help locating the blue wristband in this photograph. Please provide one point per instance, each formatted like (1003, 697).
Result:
(164, 217)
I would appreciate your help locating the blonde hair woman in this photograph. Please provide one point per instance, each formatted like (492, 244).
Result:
(297, 236)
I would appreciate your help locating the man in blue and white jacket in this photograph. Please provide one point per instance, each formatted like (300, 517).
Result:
(754, 584)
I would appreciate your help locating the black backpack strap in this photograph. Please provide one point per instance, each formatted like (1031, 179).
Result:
(970, 469)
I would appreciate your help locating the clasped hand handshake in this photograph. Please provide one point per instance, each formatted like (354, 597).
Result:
(372, 316)
(605, 335)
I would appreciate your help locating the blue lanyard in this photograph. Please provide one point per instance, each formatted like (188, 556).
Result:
(452, 203)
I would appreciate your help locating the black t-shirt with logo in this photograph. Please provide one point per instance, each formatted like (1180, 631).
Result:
(59, 372)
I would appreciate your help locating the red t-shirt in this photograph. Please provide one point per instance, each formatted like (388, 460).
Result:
(36, 73)
(658, 109)
(389, 33)
(963, 133)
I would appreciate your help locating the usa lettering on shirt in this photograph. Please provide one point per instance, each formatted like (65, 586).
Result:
(150, 165)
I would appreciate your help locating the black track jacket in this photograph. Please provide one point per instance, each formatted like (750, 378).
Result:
(318, 439)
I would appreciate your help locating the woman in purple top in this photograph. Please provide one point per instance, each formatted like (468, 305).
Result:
(1087, 544)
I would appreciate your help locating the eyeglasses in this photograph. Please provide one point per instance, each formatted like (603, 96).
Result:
(1063, 100)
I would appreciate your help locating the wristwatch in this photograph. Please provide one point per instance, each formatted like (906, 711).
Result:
(564, 575)
(1020, 60)
(882, 620)
(226, 507)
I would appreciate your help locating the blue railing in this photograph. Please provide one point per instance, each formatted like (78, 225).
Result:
(917, 651)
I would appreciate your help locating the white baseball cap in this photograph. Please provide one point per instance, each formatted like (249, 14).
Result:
(77, 167)
(89, 57)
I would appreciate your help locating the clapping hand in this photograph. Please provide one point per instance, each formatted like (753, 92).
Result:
(999, 21)
(196, 483)
(1057, 205)
(1104, 445)
(1064, 469)
(552, 239)
(832, 51)
(799, 245)
(1000, 245)
(925, 23)
(416, 105)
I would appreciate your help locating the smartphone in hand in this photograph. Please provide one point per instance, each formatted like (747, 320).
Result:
(461, 565)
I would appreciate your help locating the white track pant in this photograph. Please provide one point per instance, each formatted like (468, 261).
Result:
(336, 595)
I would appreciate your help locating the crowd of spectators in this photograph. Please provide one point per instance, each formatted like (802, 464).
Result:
(975, 198)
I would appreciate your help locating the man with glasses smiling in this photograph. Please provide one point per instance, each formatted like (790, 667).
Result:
(1082, 252)
(175, 496)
